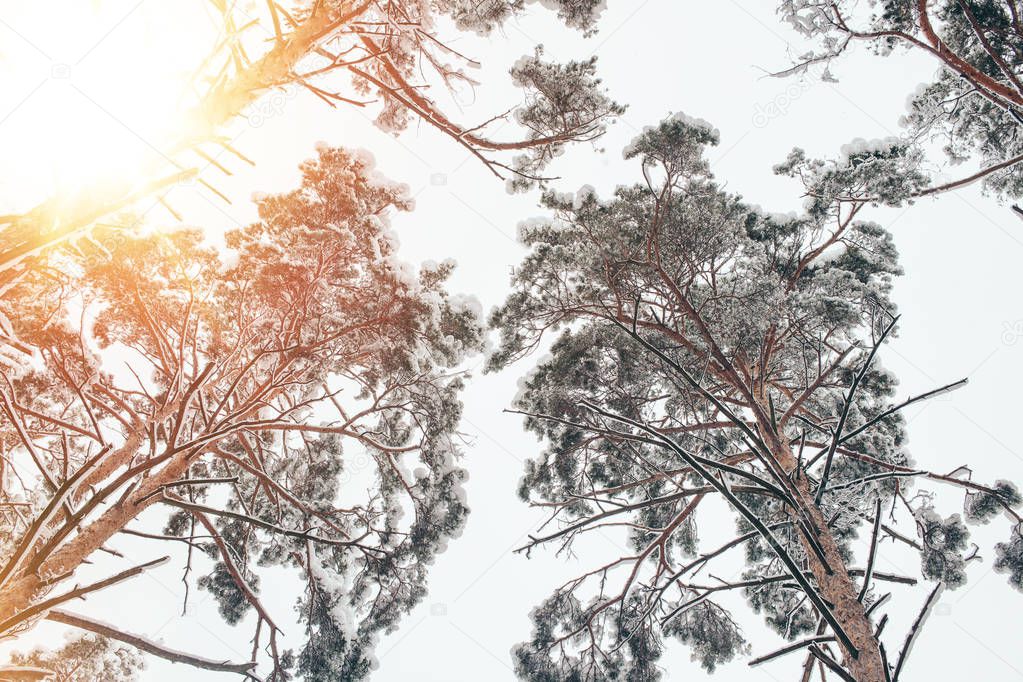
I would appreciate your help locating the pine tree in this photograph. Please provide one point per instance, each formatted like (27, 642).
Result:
(251, 395)
(975, 104)
(710, 350)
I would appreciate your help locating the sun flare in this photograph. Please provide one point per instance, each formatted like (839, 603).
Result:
(95, 96)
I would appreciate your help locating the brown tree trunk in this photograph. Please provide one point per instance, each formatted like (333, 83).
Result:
(24, 587)
(836, 586)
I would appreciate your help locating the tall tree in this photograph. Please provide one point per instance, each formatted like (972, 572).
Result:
(247, 400)
(712, 351)
(375, 55)
(974, 105)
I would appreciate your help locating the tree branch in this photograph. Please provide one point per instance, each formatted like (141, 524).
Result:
(99, 628)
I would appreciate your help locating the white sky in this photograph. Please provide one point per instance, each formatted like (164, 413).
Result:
(962, 312)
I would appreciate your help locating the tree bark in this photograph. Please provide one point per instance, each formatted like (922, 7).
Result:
(100, 628)
(836, 585)
(25, 586)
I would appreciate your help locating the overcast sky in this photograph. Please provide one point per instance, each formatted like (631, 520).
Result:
(960, 300)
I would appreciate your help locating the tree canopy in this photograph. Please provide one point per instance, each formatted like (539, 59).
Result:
(382, 57)
(84, 658)
(974, 105)
(286, 401)
(709, 349)
(248, 396)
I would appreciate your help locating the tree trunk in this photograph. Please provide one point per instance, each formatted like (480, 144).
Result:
(25, 586)
(836, 586)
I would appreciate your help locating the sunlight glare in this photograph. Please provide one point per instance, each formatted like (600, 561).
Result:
(93, 95)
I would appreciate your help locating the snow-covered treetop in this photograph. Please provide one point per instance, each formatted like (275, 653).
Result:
(972, 106)
(275, 406)
(563, 103)
(707, 347)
